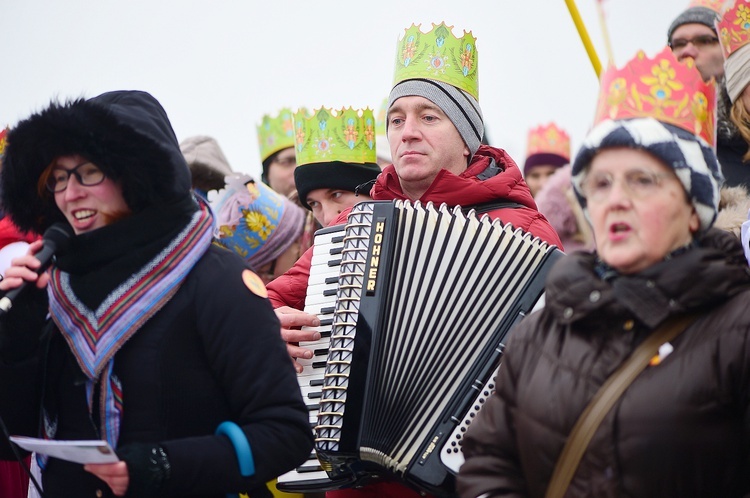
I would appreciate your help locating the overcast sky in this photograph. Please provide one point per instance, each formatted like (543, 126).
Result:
(217, 66)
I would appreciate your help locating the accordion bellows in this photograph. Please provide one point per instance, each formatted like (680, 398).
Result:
(425, 299)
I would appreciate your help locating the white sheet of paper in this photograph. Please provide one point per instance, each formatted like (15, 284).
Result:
(93, 451)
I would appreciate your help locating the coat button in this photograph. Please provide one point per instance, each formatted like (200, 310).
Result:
(99, 493)
(568, 312)
(595, 296)
(628, 325)
(650, 284)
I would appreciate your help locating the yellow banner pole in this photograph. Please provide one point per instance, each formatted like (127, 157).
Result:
(605, 32)
(584, 37)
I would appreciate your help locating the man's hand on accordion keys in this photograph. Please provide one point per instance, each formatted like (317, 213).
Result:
(291, 320)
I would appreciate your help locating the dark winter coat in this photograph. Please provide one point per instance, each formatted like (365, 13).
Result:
(682, 427)
(730, 150)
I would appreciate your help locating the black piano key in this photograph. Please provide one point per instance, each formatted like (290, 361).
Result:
(331, 280)
(328, 310)
(316, 382)
(325, 333)
(320, 352)
(319, 364)
(326, 322)
(336, 250)
(334, 262)
(315, 395)
(329, 292)
(337, 240)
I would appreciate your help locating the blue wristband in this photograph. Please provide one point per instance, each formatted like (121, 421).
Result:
(241, 446)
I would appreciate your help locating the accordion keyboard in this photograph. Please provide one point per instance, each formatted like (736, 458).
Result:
(320, 301)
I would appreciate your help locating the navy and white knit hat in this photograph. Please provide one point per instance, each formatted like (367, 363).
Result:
(693, 15)
(692, 159)
(461, 108)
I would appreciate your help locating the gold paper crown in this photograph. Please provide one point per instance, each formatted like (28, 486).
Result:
(548, 139)
(275, 133)
(347, 136)
(438, 55)
(715, 5)
(661, 88)
(734, 27)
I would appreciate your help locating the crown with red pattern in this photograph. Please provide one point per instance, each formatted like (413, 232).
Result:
(548, 139)
(734, 27)
(715, 5)
(661, 88)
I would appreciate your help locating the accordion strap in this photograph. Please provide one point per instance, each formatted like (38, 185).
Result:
(605, 398)
(486, 207)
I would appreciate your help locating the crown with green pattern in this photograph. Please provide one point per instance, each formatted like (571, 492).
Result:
(438, 55)
(347, 135)
(275, 133)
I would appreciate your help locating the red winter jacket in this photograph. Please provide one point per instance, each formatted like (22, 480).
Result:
(473, 186)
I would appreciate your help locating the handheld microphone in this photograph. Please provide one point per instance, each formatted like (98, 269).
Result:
(56, 239)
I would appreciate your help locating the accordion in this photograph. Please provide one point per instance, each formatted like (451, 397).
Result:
(424, 299)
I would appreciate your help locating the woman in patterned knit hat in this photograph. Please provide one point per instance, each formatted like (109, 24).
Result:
(664, 287)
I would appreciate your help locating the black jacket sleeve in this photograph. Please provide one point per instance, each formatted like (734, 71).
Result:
(248, 357)
(20, 349)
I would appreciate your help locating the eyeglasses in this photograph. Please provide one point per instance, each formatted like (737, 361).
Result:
(87, 174)
(639, 184)
(286, 161)
(699, 42)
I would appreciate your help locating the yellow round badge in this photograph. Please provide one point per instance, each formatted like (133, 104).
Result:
(254, 283)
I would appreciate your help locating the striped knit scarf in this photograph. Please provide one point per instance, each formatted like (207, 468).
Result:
(94, 337)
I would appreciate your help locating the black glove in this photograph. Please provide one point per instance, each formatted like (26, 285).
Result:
(148, 469)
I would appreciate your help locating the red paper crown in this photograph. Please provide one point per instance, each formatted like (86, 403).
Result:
(661, 88)
(548, 139)
(714, 5)
(734, 27)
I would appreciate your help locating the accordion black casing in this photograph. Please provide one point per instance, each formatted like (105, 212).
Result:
(426, 297)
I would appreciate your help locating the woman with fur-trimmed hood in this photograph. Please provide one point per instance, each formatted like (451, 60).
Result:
(148, 346)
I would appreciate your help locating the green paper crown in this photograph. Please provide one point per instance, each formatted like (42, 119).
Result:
(438, 55)
(275, 133)
(347, 136)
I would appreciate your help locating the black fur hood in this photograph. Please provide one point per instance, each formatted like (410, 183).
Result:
(126, 133)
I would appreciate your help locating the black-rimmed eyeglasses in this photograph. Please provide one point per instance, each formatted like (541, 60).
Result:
(87, 174)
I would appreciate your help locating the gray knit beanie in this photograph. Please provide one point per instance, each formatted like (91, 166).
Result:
(461, 108)
(694, 15)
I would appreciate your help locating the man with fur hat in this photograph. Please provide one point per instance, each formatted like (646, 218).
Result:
(692, 35)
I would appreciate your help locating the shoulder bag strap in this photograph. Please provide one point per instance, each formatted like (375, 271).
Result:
(604, 400)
